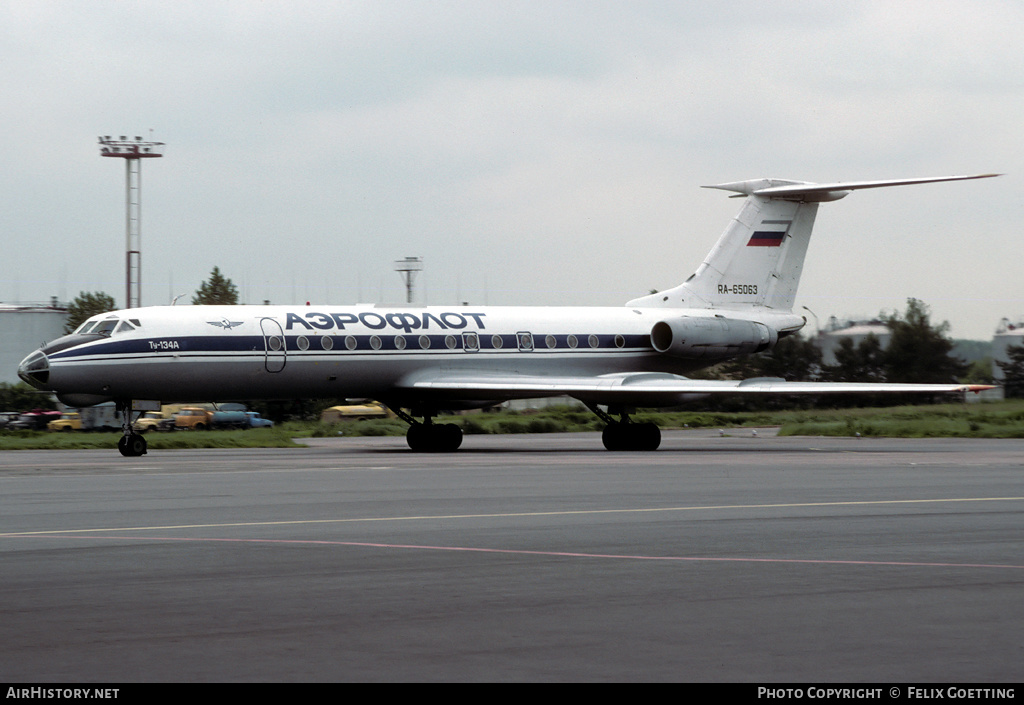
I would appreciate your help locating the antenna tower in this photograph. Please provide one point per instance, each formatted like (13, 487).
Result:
(407, 268)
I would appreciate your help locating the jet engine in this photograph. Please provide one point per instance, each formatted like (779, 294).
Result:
(710, 338)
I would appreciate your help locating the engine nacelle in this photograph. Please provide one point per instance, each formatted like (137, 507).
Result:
(711, 338)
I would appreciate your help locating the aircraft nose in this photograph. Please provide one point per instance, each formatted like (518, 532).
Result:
(35, 370)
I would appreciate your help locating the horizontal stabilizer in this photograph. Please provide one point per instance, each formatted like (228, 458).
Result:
(804, 191)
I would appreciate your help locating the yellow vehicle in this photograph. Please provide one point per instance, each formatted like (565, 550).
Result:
(193, 418)
(154, 421)
(102, 417)
(68, 421)
(356, 412)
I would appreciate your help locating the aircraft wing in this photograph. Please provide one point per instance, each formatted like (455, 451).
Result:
(643, 388)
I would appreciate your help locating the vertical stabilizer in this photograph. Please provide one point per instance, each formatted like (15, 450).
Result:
(757, 261)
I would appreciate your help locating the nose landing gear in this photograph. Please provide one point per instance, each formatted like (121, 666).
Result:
(131, 444)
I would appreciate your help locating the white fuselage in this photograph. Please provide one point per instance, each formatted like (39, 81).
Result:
(220, 353)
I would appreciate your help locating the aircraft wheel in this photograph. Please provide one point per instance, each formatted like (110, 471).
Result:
(647, 436)
(449, 437)
(418, 438)
(138, 445)
(132, 446)
(614, 436)
(622, 436)
(434, 438)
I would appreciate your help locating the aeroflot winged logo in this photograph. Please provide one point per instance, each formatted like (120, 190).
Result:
(225, 323)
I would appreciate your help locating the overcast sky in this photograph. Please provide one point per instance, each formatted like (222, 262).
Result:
(532, 152)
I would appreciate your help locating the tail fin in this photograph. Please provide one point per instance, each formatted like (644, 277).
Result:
(758, 260)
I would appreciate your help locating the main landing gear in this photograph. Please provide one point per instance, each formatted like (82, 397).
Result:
(430, 437)
(625, 434)
(622, 434)
(131, 444)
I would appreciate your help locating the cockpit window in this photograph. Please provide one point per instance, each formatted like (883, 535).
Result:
(105, 327)
(86, 327)
(125, 326)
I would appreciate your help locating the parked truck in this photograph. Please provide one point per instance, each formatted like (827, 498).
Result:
(102, 417)
(155, 421)
(198, 419)
(356, 412)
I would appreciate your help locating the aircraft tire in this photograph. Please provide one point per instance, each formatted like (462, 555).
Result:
(440, 438)
(418, 438)
(614, 437)
(137, 445)
(641, 436)
(647, 436)
(449, 437)
(132, 446)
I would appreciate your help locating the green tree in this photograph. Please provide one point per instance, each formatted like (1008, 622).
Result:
(919, 352)
(979, 372)
(21, 397)
(87, 305)
(863, 362)
(794, 358)
(1013, 371)
(218, 289)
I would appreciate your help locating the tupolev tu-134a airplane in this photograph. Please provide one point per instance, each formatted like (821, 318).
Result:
(424, 360)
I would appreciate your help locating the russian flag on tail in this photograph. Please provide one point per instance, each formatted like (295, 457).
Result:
(770, 238)
(762, 238)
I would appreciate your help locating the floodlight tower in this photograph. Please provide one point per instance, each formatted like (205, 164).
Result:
(407, 268)
(132, 151)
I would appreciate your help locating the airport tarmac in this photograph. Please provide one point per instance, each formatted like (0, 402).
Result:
(519, 558)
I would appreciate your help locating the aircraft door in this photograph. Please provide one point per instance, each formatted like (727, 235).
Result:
(274, 344)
